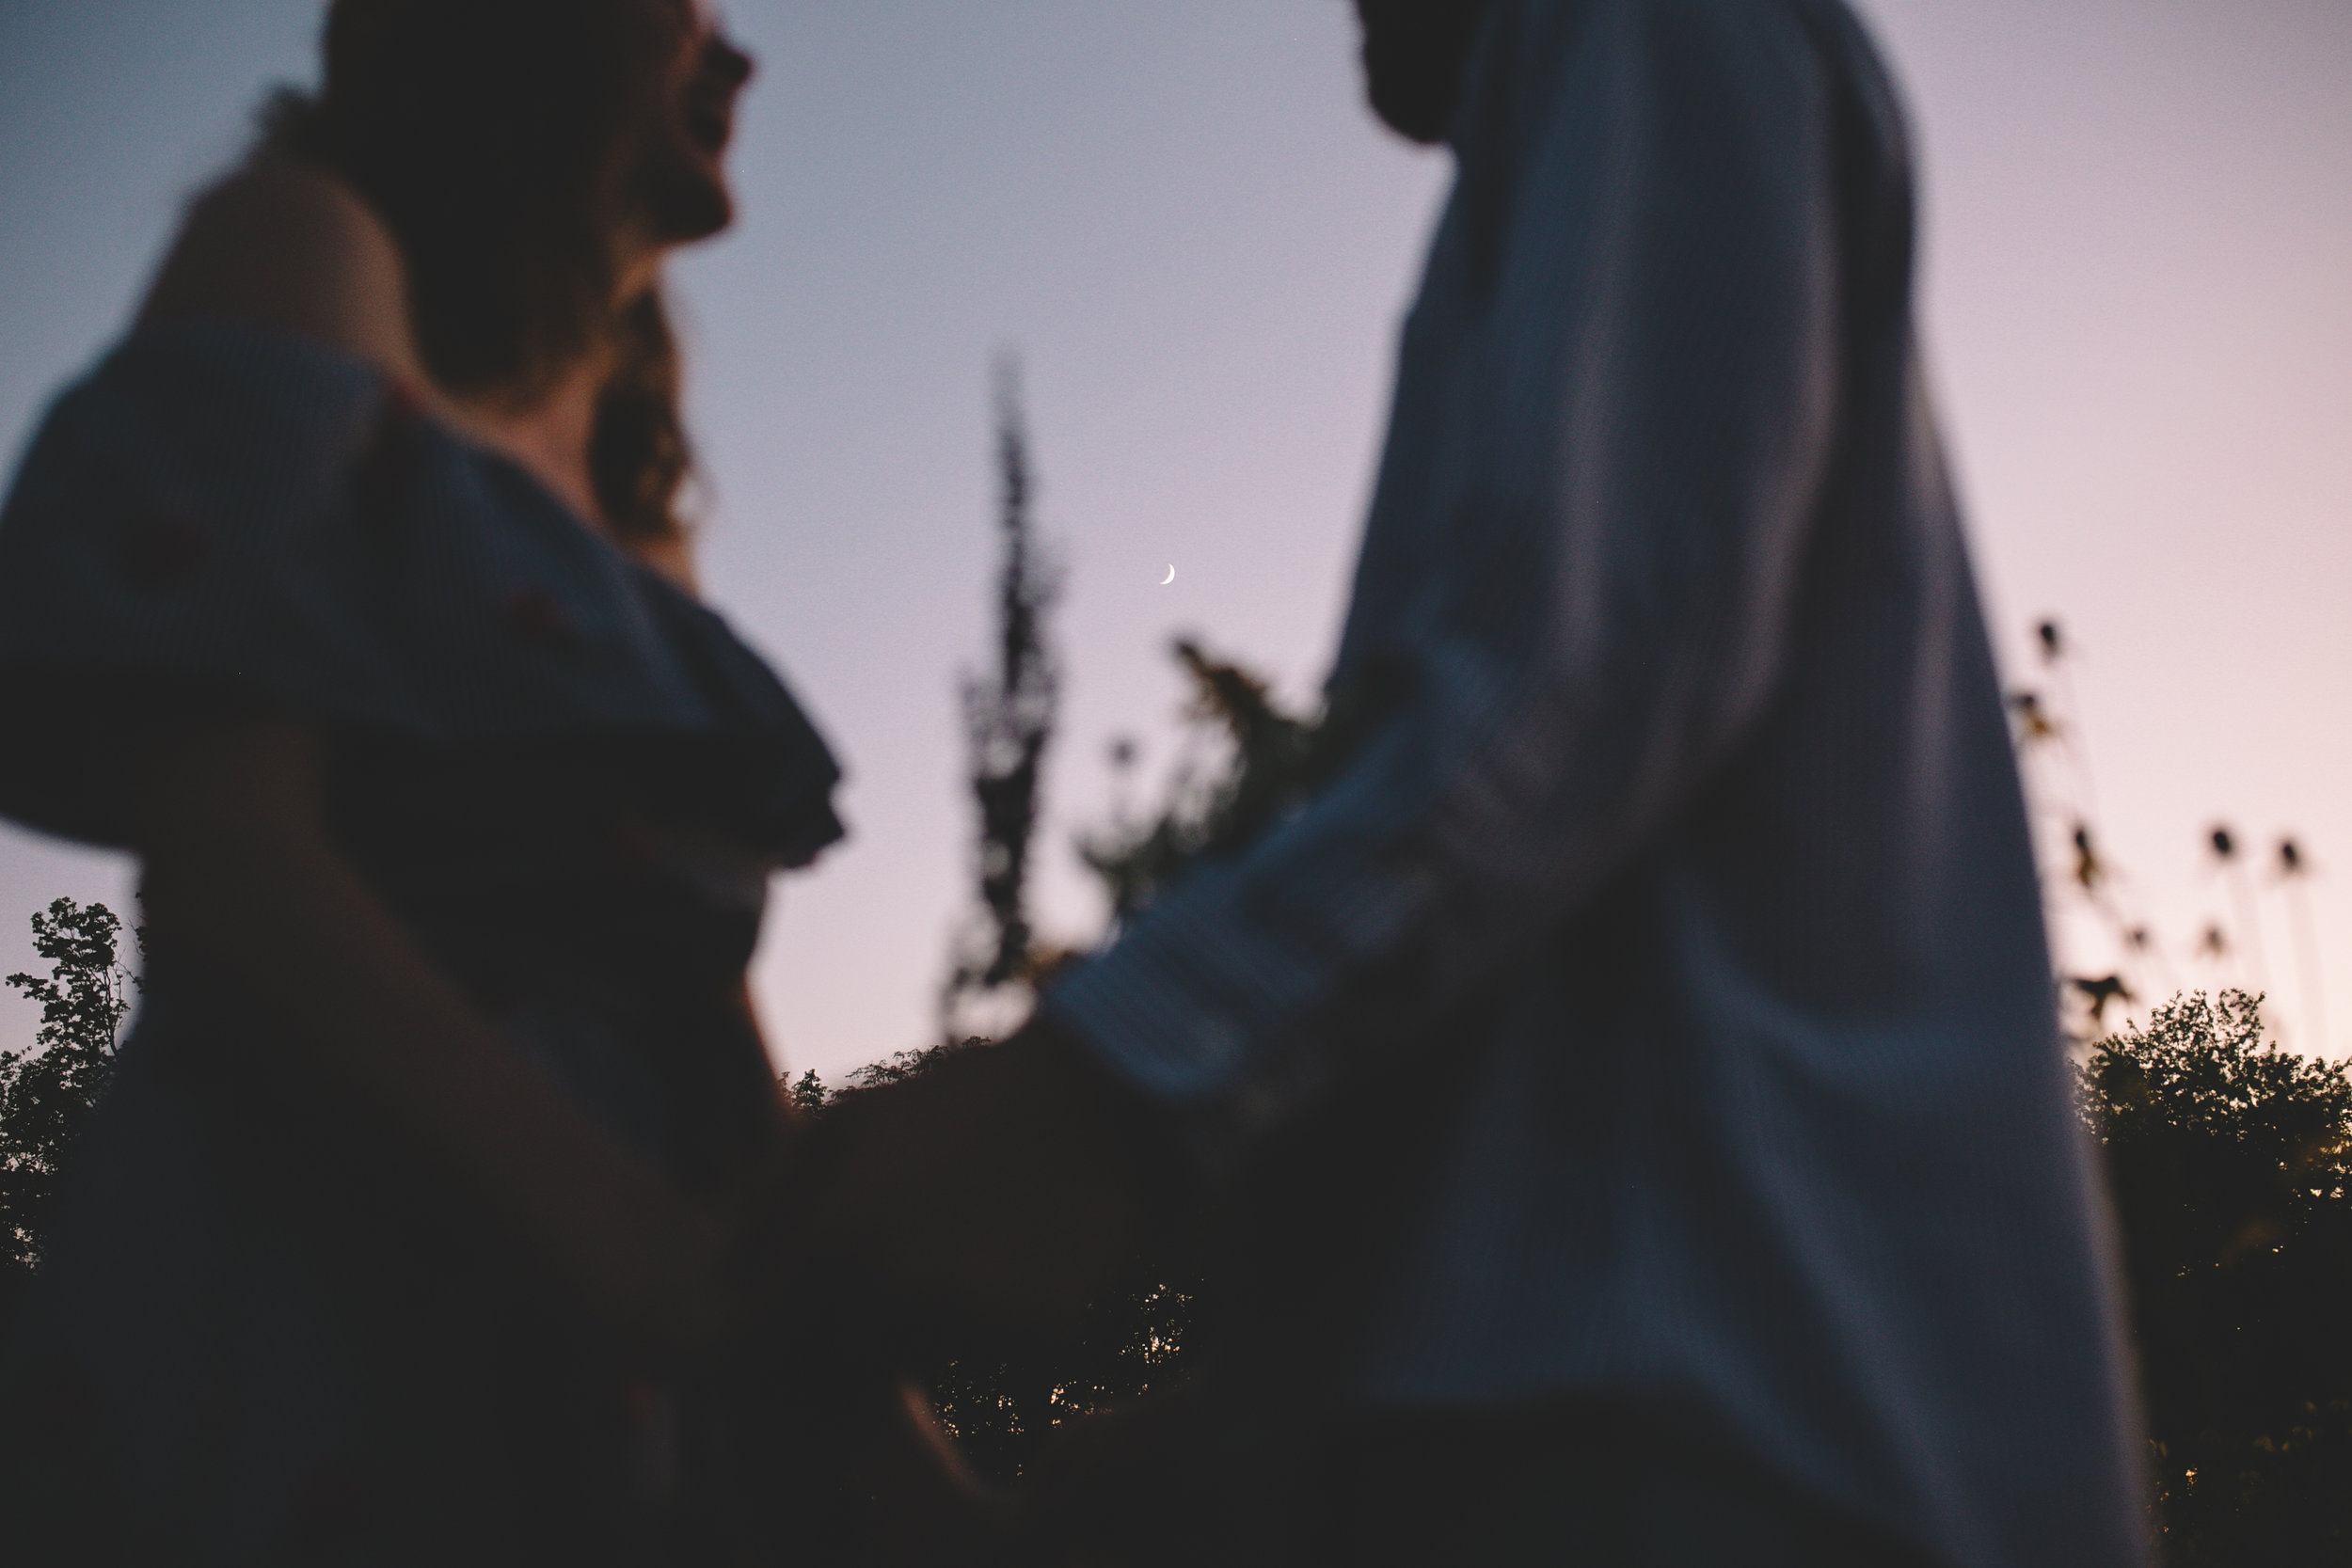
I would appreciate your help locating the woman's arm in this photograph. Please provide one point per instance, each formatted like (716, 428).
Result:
(288, 247)
(239, 869)
(291, 249)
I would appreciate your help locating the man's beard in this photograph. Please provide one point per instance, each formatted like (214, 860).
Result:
(1415, 53)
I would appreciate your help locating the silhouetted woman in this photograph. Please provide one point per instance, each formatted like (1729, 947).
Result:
(349, 591)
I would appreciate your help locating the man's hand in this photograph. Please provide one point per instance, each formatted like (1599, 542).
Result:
(996, 1179)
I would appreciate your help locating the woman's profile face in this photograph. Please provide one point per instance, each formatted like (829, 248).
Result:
(681, 182)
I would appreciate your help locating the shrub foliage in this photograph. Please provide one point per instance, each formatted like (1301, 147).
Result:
(2231, 1163)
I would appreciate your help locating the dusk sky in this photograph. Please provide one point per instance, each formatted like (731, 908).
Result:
(2138, 301)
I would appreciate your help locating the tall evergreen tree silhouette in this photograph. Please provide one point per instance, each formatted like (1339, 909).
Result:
(1009, 711)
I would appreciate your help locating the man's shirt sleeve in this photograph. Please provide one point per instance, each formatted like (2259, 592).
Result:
(1614, 414)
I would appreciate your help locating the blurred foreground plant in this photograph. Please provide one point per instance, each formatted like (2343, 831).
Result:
(1264, 768)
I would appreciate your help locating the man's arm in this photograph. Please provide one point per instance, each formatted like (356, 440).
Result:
(1612, 491)
(1622, 477)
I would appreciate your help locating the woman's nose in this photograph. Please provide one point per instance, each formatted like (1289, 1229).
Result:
(726, 62)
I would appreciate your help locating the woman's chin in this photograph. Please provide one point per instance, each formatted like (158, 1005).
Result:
(689, 204)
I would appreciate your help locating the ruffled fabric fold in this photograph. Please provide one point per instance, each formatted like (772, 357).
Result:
(219, 518)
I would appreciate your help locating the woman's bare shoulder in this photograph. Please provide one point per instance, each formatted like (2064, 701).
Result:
(284, 246)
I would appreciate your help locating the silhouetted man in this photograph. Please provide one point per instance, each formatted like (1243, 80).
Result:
(1680, 841)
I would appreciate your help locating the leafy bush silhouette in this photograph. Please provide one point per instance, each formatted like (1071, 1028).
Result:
(2231, 1164)
(47, 1093)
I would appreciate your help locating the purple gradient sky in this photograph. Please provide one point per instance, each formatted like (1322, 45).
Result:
(2139, 229)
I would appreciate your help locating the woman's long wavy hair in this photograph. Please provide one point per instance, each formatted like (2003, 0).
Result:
(504, 143)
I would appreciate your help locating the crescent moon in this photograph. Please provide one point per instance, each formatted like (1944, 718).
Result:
(1171, 575)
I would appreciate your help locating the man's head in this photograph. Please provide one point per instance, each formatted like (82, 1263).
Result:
(1415, 53)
